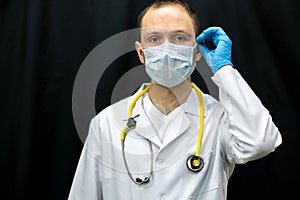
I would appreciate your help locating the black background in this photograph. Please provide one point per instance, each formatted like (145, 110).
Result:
(43, 43)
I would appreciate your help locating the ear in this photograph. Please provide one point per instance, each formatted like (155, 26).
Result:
(138, 48)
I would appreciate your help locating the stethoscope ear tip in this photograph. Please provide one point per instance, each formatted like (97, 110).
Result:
(194, 163)
(140, 181)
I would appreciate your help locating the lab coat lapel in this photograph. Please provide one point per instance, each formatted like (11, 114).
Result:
(144, 127)
(146, 130)
(178, 143)
(190, 107)
(180, 125)
(192, 104)
(184, 124)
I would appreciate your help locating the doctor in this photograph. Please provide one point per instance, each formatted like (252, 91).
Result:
(170, 140)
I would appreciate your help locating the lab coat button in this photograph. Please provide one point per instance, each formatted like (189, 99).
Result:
(160, 160)
(162, 198)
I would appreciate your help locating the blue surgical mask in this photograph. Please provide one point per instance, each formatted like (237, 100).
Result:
(169, 64)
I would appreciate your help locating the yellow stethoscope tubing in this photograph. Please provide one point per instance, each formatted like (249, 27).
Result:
(201, 123)
(131, 108)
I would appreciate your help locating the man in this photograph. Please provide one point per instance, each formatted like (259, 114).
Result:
(180, 143)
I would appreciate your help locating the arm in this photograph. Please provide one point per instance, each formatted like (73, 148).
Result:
(87, 180)
(252, 133)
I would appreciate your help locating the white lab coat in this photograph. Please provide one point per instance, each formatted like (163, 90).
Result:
(236, 130)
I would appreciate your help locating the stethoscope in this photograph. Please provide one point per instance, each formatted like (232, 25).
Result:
(194, 162)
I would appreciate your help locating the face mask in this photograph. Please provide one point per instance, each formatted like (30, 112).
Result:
(169, 64)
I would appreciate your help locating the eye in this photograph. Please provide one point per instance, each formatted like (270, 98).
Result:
(180, 38)
(154, 39)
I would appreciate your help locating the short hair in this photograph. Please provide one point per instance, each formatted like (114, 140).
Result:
(160, 3)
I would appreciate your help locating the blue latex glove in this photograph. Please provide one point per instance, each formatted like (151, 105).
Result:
(221, 55)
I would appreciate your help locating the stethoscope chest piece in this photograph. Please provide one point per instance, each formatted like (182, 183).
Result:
(194, 163)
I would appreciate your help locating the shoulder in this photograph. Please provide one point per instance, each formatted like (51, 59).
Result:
(214, 107)
(114, 112)
(115, 115)
(118, 110)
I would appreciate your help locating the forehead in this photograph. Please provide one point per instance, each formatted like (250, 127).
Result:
(168, 17)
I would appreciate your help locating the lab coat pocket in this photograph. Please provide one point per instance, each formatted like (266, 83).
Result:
(206, 183)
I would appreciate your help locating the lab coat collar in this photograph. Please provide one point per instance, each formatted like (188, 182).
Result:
(191, 105)
(143, 128)
(147, 131)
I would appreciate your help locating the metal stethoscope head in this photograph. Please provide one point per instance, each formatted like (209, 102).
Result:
(194, 162)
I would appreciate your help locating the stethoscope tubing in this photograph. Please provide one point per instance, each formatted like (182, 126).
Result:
(194, 162)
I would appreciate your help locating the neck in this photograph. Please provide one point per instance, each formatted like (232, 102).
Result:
(168, 99)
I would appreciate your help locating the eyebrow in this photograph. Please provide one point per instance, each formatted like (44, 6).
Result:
(153, 32)
(172, 32)
(181, 31)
